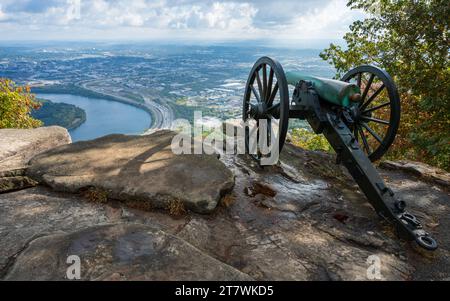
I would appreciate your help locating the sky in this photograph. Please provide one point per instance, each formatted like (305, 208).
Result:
(195, 20)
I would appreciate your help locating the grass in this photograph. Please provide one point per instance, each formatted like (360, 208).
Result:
(95, 195)
(176, 208)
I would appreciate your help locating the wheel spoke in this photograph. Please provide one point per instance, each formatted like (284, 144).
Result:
(249, 133)
(276, 121)
(364, 139)
(255, 93)
(375, 120)
(257, 137)
(252, 108)
(376, 108)
(247, 138)
(372, 97)
(264, 95)
(269, 86)
(274, 110)
(355, 132)
(272, 95)
(258, 79)
(274, 107)
(358, 79)
(269, 131)
(372, 132)
(366, 89)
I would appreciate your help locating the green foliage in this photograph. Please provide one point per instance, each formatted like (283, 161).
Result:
(16, 104)
(62, 114)
(309, 140)
(410, 40)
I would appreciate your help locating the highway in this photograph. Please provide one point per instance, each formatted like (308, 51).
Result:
(162, 115)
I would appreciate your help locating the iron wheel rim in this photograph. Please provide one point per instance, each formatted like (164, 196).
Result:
(369, 104)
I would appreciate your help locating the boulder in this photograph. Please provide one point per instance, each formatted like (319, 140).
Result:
(136, 168)
(18, 146)
(423, 170)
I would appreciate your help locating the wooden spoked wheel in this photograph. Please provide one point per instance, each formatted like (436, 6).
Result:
(377, 115)
(265, 107)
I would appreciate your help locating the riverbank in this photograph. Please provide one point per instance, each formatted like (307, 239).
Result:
(74, 89)
(65, 115)
(104, 117)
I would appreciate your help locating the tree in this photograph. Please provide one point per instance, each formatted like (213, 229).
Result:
(16, 104)
(410, 40)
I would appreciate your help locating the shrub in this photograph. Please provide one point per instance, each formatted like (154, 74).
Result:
(16, 104)
(309, 140)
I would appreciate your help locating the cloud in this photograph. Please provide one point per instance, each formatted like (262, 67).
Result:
(205, 19)
(328, 21)
(2, 14)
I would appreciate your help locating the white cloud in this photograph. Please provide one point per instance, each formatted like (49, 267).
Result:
(160, 15)
(201, 19)
(330, 21)
(2, 14)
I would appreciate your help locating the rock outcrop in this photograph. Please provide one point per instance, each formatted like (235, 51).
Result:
(303, 219)
(138, 169)
(18, 146)
(422, 170)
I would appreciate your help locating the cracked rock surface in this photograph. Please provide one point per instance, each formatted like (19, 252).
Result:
(304, 219)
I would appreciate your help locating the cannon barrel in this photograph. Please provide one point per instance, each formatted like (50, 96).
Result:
(334, 91)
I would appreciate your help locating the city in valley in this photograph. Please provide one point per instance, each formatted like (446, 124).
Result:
(167, 81)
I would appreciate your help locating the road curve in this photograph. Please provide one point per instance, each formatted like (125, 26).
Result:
(162, 115)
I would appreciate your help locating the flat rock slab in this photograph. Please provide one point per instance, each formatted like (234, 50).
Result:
(119, 252)
(18, 146)
(141, 168)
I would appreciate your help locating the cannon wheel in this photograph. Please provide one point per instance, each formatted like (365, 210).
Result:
(266, 98)
(378, 113)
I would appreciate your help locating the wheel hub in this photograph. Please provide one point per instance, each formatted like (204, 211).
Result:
(258, 111)
(356, 113)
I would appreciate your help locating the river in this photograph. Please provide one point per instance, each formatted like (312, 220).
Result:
(103, 117)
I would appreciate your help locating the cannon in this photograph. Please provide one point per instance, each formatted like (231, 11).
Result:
(359, 115)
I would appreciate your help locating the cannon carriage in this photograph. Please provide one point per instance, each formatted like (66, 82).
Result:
(359, 115)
